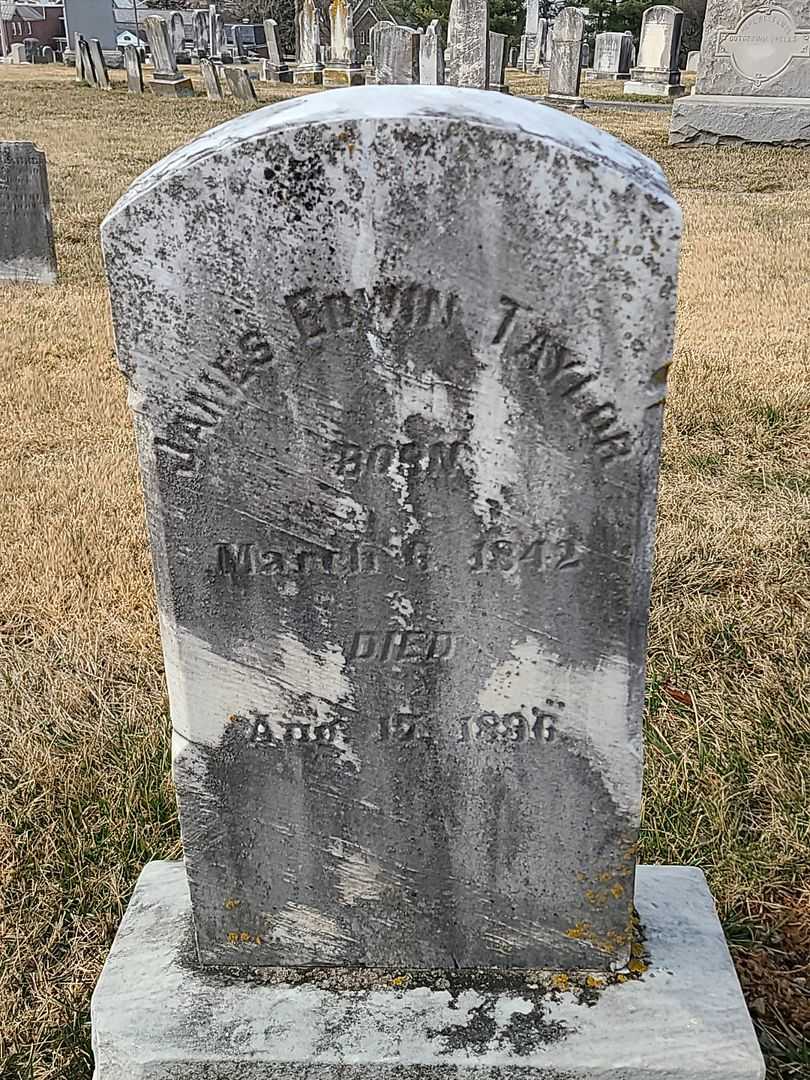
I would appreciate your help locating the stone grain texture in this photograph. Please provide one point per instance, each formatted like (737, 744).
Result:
(156, 1018)
(713, 120)
(26, 232)
(398, 427)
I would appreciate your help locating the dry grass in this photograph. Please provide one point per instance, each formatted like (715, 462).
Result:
(85, 798)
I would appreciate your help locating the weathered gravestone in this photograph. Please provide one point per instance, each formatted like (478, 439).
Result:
(18, 54)
(541, 47)
(308, 69)
(210, 75)
(692, 61)
(611, 56)
(216, 34)
(177, 34)
(166, 79)
(132, 63)
(395, 50)
(398, 415)
(468, 44)
(565, 68)
(101, 77)
(528, 39)
(239, 83)
(497, 62)
(753, 85)
(85, 65)
(201, 29)
(274, 68)
(343, 66)
(47, 54)
(431, 55)
(657, 72)
(26, 233)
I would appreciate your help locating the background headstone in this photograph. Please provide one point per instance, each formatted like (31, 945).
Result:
(210, 75)
(274, 68)
(85, 63)
(239, 83)
(100, 74)
(753, 83)
(565, 67)
(611, 59)
(18, 54)
(541, 47)
(200, 24)
(342, 68)
(497, 62)
(26, 234)
(395, 50)
(431, 55)
(403, 618)
(177, 33)
(657, 72)
(468, 44)
(132, 63)
(47, 54)
(166, 79)
(692, 61)
(309, 68)
(216, 33)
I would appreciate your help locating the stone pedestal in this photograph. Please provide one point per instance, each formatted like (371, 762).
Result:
(715, 120)
(564, 101)
(653, 84)
(308, 75)
(275, 73)
(335, 74)
(156, 1014)
(170, 86)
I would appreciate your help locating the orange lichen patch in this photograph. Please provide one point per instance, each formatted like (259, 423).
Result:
(638, 967)
(579, 932)
(231, 903)
(593, 982)
(242, 937)
(401, 980)
(617, 889)
(560, 982)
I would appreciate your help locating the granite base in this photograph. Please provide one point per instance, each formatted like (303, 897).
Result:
(156, 1016)
(182, 87)
(707, 119)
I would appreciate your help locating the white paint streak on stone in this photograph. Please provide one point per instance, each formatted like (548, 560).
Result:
(360, 876)
(494, 417)
(532, 676)
(205, 689)
(306, 928)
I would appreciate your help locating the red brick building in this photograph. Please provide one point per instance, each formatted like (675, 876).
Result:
(45, 22)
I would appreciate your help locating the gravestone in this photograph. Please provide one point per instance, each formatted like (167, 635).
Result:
(132, 63)
(657, 72)
(238, 44)
(753, 84)
(308, 69)
(343, 66)
(692, 61)
(541, 47)
(398, 430)
(101, 78)
(468, 44)
(528, 40)
(514, 54)
(17, 54)
(586, 54)
(27, 251)
(431, 55)
(239, 83)
(47, 54)
(201, 28)
(177, 34)
(274, 68)
(216, 33)
(84, 63)
(395, 50)
(631, 47)
(611, 56)
(565, 68)
(497, 62)
(166, 79)
(210, 76)
(81, 75)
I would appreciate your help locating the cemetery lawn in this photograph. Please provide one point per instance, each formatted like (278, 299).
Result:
(85, 793)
